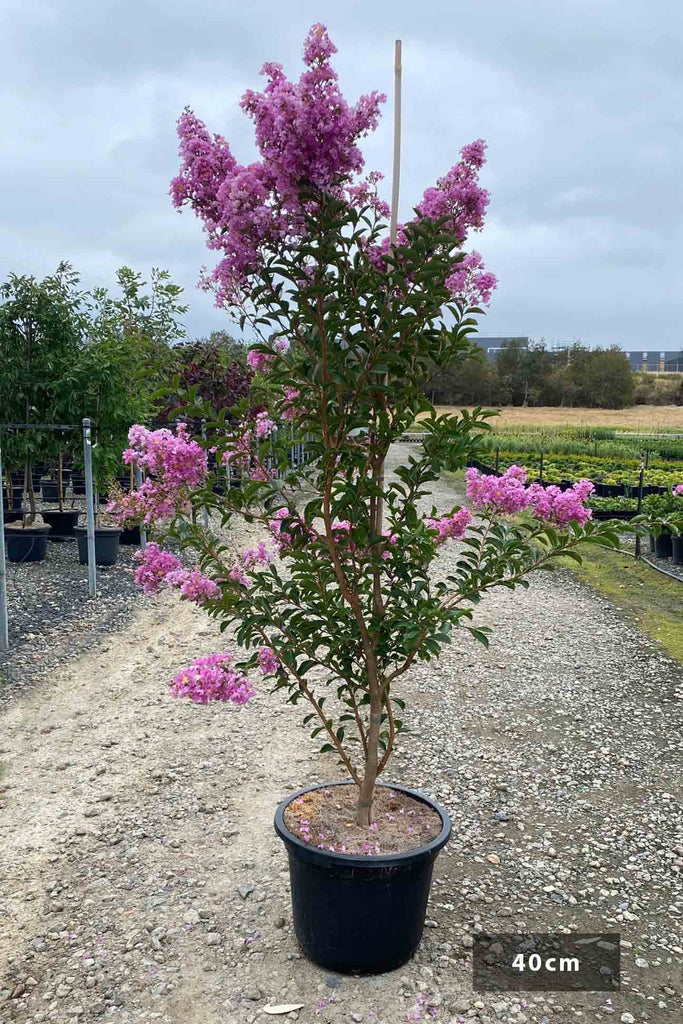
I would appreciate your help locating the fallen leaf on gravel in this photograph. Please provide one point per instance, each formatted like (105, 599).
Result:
(283, 1008)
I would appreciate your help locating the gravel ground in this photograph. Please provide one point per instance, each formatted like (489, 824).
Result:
(51, 617)
(141, 881)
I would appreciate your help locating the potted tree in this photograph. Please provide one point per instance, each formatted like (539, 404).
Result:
(113, 382)
(338, 603)
(657, 510)
(41, 324)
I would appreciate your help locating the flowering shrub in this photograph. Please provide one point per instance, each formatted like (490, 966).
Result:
(349, 330)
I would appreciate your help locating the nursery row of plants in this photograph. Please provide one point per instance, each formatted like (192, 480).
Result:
(586, 443)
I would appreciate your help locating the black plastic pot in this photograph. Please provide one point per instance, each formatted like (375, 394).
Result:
(131, 536)
(62, 523)
(621, 514)
(106, 544)
(17, 476)
(652, 543)
(357, 914)
(15, 500)
(50, 490)
(677, 550)
(663, 547)
(78, 484)
(124, 483)
(28, 545)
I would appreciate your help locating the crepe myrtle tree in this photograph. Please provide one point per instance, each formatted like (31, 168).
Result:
(340, 601)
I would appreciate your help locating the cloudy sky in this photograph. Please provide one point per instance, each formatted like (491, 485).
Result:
(580, 102)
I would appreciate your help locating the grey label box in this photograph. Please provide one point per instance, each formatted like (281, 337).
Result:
(546, 962)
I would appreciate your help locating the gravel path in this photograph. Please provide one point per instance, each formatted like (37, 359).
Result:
(140, 879)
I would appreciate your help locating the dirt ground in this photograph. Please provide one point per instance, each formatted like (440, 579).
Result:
(141, 880)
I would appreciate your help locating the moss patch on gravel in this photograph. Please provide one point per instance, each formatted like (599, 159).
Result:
(648, 598)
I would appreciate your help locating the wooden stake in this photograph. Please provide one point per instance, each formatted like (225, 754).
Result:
(395, 185)
(396, 181)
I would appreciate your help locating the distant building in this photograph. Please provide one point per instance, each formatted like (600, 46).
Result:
(650, 362)
(656, 362)
(492, 346)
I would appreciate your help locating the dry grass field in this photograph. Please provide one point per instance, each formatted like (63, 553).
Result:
(639, 417)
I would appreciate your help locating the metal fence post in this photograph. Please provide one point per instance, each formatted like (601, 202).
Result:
(138, 485)
(206, 511)
(4, 626)
(89, 508)
(640, 504)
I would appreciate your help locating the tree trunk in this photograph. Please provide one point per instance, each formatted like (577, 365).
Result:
(31, 493)
(367, 787)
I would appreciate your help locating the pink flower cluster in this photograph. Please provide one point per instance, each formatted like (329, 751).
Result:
(260, 361)
(155, 565)
(263, 426)
(193, 585)
(678, 490)
(458, 197)
(451, 527)
(158, 569)
(561, 507)
(212, 677)
(306, 134)
(283, 537)
(242, 453)
(508, 494)
(261, 554)
(269, 662)
(174, 464)
(504, 494)
(470, 282)
(291, 411)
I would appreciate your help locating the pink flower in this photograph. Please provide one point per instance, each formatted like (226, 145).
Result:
(258, 555)
(158, 569)
(264, 425)
(212, 678)
(155, 565)
(194, 585)
(269, 662)
(451, 527)
(561, 507)
(504, 495)
(290, 412)
(174, 465)
(305, 132)
(258, 361)
(678, 489)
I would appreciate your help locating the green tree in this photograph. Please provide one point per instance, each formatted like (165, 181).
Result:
(42, 325)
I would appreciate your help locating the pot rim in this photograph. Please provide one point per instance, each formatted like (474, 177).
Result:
(99, 529)
(362, 859)
(33, 528)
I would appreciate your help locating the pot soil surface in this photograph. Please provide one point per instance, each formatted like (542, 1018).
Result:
(326, 818)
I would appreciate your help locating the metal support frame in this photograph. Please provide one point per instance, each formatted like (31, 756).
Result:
(4, 625)
(89, 508)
